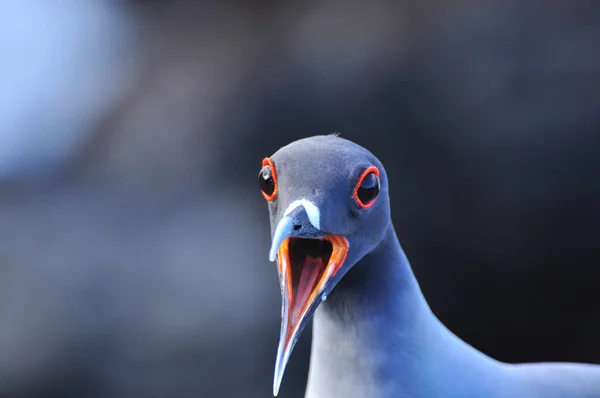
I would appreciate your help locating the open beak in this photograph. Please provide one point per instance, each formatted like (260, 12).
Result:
(305, 267)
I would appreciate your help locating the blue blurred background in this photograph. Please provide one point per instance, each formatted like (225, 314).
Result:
(133, 236)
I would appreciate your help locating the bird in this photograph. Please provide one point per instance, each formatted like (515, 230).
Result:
(340, 263)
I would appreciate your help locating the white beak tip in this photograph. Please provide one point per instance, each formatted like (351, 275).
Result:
(277, 384)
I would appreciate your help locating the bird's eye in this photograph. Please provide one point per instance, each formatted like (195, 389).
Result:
(367, 188)
(267, 180)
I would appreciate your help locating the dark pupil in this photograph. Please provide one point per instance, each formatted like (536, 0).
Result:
(369, 188)
(265, 180)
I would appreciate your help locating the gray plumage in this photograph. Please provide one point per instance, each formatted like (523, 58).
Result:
(375, 336)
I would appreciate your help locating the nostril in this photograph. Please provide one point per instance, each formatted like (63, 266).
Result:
(297, 227)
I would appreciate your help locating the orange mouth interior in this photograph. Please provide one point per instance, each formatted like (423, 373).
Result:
(307, 265)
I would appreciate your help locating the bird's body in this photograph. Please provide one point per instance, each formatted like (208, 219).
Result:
(375, 336)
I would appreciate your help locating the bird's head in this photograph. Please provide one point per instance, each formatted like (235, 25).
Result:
(328, 203)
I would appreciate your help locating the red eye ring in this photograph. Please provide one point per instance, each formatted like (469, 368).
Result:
(269, 162)
(369, 170)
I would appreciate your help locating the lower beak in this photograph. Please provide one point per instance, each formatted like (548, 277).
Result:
(302, 292)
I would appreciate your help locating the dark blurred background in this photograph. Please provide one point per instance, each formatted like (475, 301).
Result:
(133, 236)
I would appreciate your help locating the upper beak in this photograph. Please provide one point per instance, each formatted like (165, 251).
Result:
(299, 299)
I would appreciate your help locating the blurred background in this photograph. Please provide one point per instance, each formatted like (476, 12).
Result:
(134, 238)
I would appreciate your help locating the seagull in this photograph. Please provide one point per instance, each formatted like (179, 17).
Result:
(374, 335)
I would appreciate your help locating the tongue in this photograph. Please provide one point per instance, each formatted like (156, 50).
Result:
(310, 274)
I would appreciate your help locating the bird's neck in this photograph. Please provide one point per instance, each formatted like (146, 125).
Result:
(376, 335)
